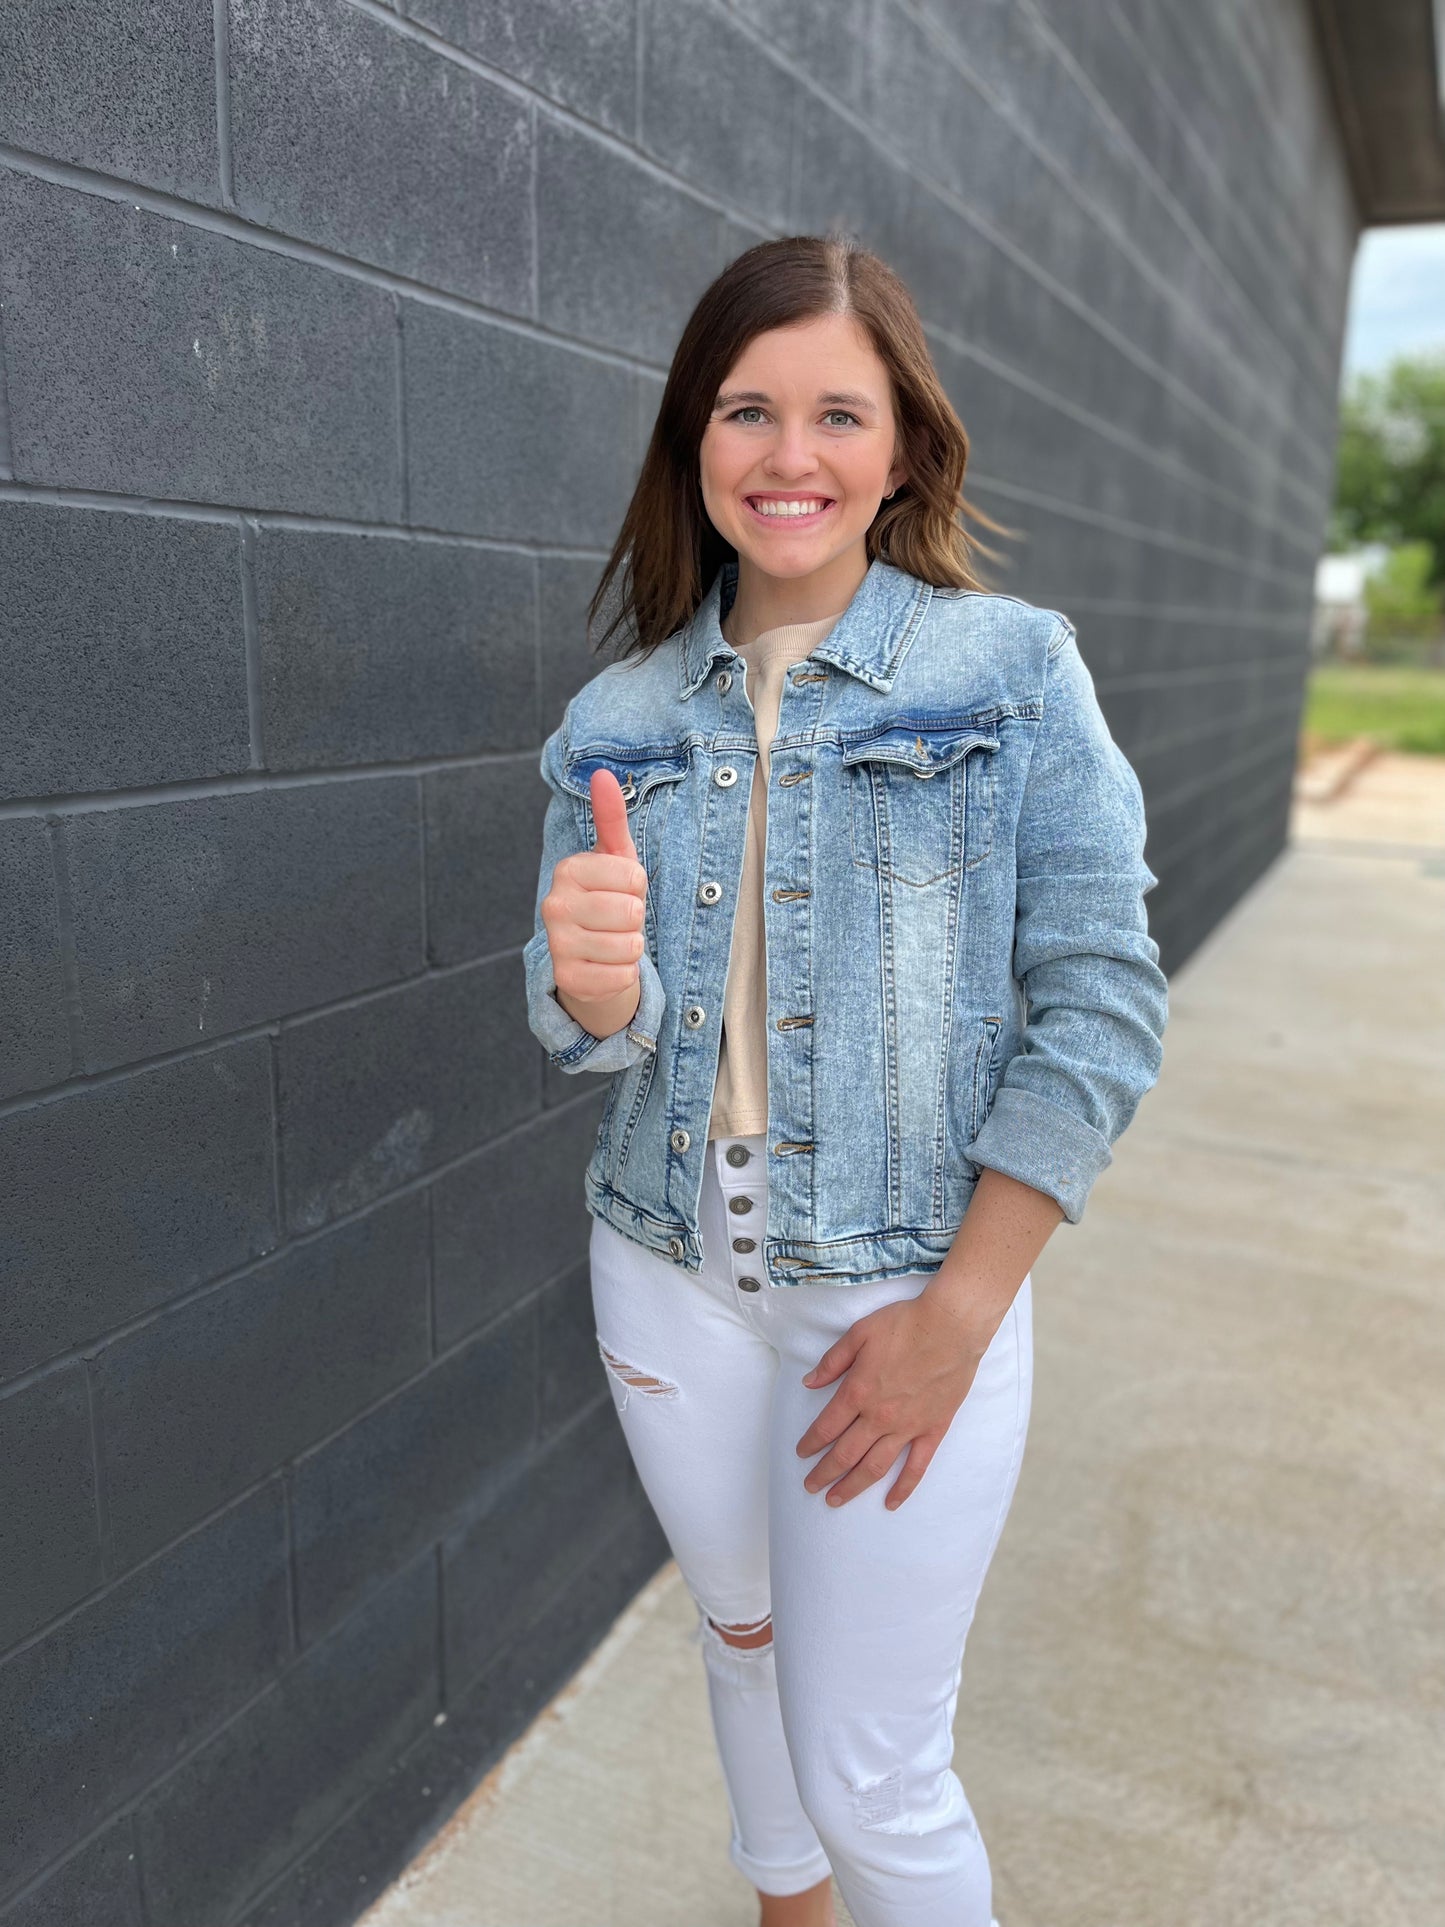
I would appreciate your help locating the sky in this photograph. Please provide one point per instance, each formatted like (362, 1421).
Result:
(1397, 295)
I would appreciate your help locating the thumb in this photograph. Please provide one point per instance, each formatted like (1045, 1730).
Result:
(609, 812)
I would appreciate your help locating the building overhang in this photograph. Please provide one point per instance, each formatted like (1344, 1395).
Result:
(1386, 64)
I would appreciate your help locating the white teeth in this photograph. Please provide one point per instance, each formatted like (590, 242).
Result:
(789, 508)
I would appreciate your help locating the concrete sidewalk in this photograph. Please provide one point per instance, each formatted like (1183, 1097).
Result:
(1206, 1684)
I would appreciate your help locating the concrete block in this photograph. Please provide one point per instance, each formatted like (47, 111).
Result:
(221, 1828)
(375, 1095)
(572, 1370)
(351, 134)
(100, 1882)
(200, 917)
(145, 356)
(483, 852)
(622, 255)
(511, 436)
(127, 87)
(826, 38)
(585, 57)
(47, 1500)
(567, 657)
(34, 1032)
(544, 1655)
(112, 1697)
(199, 1404)
(394, 1822)
(522, 1196)
(375, 649)
(114, 1200)
(556, 1514)
(732, 141)
(411, 1470)
(122, 653)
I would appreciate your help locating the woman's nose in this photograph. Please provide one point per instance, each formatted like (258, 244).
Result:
(791, 459)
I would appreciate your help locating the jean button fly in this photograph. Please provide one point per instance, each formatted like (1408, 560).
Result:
(748, 1284)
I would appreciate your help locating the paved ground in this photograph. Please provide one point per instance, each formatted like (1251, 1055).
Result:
(1206, 1685)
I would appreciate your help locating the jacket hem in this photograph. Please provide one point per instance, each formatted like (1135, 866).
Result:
(864, 1260)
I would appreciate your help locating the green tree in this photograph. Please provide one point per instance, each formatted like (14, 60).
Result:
(1390, 474)
(1400, 597)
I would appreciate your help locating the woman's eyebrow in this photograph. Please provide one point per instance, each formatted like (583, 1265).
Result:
(737, 397)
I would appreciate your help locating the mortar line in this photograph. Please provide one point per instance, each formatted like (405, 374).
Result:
(251, 642)
(222, 39)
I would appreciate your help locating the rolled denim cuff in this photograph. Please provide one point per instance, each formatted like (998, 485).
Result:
(1042, 1144)
(567, 1043)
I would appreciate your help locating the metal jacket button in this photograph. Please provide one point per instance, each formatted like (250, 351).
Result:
(725, 681)
(675, 1246)
(709, 892)
(694, 1015)
(679, 1140)
(725, 776)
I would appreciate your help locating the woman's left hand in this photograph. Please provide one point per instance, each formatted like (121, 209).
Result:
(910, 1365)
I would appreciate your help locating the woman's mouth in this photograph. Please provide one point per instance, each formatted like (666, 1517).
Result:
(789, 511)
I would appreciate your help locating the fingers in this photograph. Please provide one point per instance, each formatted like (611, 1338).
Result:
(834, 1419)
(598, 873)
(838, 1357)
(859, 1464)
(920, 1457)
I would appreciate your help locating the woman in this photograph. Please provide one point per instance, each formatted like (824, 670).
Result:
(842, 887)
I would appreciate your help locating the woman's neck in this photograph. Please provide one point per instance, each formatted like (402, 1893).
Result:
(764, 602)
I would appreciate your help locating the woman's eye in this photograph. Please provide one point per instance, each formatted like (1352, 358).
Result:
(748, 409)
(844, 413)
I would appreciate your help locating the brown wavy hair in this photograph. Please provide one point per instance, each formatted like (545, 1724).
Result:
(667, 550)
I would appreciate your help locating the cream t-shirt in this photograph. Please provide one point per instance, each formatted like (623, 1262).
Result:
(740, 1095)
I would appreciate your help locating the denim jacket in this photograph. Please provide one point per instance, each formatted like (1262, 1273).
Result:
(959, 970)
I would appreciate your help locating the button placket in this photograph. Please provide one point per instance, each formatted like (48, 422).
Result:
(741, 1169)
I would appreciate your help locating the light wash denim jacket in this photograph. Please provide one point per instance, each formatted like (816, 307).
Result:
(959, 969)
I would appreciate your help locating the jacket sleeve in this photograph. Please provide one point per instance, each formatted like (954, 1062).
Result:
(570, 1047)
(1096, 999)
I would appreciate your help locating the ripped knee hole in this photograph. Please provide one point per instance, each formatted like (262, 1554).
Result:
(631, 1376)
(748, 1634)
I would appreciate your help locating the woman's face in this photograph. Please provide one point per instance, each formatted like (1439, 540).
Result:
(799, 449)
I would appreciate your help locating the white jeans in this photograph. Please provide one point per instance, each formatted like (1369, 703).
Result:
(836, 1738)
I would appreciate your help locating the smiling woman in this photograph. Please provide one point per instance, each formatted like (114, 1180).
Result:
(842, 886)
(804, 465)
(802, 407)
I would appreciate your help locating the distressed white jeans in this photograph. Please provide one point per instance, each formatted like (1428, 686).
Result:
(835, 1737)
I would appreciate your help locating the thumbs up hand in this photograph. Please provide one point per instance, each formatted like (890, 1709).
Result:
(593, 912)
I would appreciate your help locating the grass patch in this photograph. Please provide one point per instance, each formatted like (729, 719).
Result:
(1400, 708)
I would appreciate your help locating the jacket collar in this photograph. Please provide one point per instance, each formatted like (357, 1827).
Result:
(869, 639)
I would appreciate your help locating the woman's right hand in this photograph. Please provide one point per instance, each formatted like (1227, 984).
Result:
(593, 912)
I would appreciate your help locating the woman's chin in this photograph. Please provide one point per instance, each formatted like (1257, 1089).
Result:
(787, 556)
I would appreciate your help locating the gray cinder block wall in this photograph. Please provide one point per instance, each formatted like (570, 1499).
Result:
(330, 336)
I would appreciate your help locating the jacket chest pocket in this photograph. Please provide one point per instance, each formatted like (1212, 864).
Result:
(921, 797)
(649, 780)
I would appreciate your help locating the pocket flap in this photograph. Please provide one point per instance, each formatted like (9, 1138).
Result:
(637, 770)
(923, 744)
